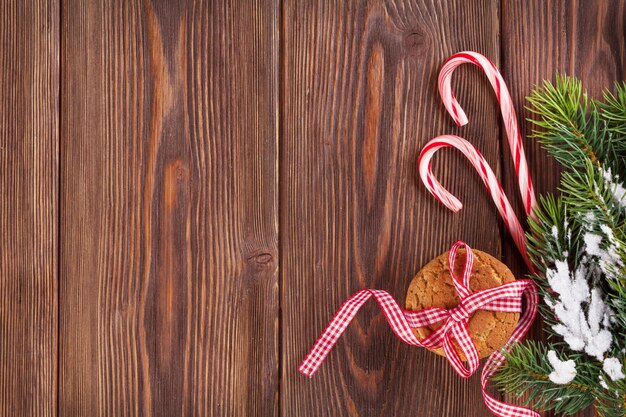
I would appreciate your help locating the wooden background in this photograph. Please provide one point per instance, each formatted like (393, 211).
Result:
(189, 189)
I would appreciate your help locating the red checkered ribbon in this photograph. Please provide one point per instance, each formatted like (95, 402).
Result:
(505, 298)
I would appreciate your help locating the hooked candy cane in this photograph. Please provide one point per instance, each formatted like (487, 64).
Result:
(506, 108)
(486, 174)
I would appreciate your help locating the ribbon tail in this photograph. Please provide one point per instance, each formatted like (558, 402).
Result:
(499, 408)
(394, 315)
(333, 331)
(496, 359)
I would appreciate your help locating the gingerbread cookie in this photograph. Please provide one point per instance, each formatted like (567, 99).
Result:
(433, 287)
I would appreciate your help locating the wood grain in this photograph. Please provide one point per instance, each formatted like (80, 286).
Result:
(360, 102)
(169, 290)
(29, 92)
(212, 179)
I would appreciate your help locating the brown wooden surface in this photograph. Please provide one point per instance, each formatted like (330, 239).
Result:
(169, 288)
(362, 101)
(225, 174)
(29, 148)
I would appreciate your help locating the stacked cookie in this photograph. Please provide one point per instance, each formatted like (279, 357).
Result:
(433, 287)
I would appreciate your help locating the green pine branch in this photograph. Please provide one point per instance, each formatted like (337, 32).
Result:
(525, 375)
(614, 113)
(564, 128)
(588, 137)
(575, 129)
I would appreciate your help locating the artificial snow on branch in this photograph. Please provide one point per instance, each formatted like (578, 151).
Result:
(578, 242)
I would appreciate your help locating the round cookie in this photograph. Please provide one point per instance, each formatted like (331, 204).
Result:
(433, 287)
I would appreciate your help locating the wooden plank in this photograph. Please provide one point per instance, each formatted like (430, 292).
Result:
(169, 230)
(540, 38)
(29, 88)
(360, 101)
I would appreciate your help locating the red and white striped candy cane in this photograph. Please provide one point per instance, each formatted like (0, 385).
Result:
(486, 174)
(506, 107)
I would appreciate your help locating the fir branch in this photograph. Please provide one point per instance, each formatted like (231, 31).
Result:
(526, 372)
(613, 111)
(614, 108)
(553, 236)
(578, 242)
(585, 192)
(612, 401)
(575, 129)
(565, 121)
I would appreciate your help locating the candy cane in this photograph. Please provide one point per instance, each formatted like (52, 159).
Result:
(486, 174)
(506, 107)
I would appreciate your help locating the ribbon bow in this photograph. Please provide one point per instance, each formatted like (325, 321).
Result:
(505, 298)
